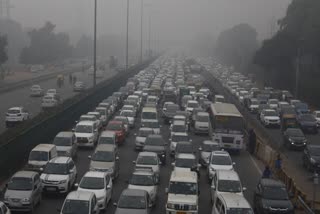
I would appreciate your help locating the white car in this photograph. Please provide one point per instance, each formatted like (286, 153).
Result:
(49, 101)
(269, 117)
(148, 160)
(59, 175)
(141, 137)
(36, 91)
(273, 103)
(192, 104)
(86, 133)
(130, 108)
(219, 160)
(16, 115)
(130, 115)
(202, 123)
(93, 118)
(52, 91)
(98, 183)
(80, 200)
(98, 116)
(186, 162)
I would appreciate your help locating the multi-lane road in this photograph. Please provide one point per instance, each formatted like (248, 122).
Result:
(21, 96)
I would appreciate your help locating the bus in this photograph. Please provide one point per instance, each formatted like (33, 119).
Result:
(227, 126)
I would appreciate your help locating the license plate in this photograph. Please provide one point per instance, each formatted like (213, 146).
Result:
(51, 189)
(181, 212)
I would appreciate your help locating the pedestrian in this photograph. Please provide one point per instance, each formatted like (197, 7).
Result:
(278, 164)
(252, 141)
(267, 172)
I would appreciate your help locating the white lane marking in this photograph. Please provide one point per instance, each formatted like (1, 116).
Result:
(255, 164)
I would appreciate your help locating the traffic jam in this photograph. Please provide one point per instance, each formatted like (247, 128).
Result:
(163, 120)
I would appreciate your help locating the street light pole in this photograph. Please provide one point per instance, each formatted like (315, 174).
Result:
(127, 42)
(141, 32)
(95, 44)
(149, 39)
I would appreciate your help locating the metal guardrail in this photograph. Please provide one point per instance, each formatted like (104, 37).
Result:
(305, 207)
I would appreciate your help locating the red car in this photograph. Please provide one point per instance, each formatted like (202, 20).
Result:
(118, 128)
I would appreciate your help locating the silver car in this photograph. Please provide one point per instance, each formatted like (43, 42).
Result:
(66, 143)
(23, 191)
(133, 201)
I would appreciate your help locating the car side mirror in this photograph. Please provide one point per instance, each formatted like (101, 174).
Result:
(213, 187)
(73, 130)
(71, 171)
(134, 162)
(167, 190)
(89, 157)
(244, 188)
(76, 185)
(173, 164)
(41, 169)
(291, 195)
(200, 149)
(108, 187)
(234, 163)
(115, 204)
(117, 158)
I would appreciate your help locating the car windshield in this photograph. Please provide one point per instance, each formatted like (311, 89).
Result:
(153, 125)
(103, 156)
(154, 141)
(239, 211)
(106, 140)
(62, 141)
(92, 183)
(142, 180)
(193, 105)
(149, 115)
(87, 118)
(127, 113)
(184, 148)
(56, 168)
(270, 113)
(145, 133)
(210, 147)
(132, 202)
(275, 193)
(307, 117)
(178, 128)
(221, 160)
(75, 207)
(229, 186)
(180, 138)
(254, 102)
(101, 111)
(20, 183)
(295, 133)
(184, 188)
(147, 160)
(38, 156)
(83, 129)
(114, 126)
(202, 118)
(185, 163)
(273, 101)
(172, 108)
(13, 111)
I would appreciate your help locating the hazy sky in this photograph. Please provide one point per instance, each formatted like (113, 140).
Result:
(170, 19)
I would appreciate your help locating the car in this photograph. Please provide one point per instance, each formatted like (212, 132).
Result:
(270, 195)
(145, 179)
(230, 201)
(226, 181)
(40, 155)
(105, 159)
(307, 123)
(186, 161)
(192, 104)
(130, 108)
(36, 91)
(178, 126)
(219, 160)
(119, 129)
(175, 138)
(294, 138)
(311, 157)
(141, 137)
(79, 86)
(49, 101)
(98, 118)
(219, 98)
(86, 133)
(273, 103)
(269, 117)
(4, 209)
(165, 106)
(125, 122)
(23, 191)
(16, 115)
(202, 123)
(155, 143)
(130, 115)
(253, 105)
(108, 137)
(183, 192)
(104, 114)
(148, 160)
(153, 124)
(170, 112)
(99, 183)
(59, 175)
(206, 148)
(66, 144)
(52, 91)
(133, 201)
(184, 148)
(80, 200)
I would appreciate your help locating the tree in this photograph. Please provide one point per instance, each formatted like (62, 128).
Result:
(3, 49)
(84, 47)
(46, 46)
(237, 45)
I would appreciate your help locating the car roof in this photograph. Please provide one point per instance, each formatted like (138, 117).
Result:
(147, 154)
(201, 113)
(44, 147)
(134, 192)
(180, 134)
(80, 195)
(179, 122)
(145, 129)
(234, 200)
(15, 108)
(185, 156)
(271, 182)
(95, 174)
(25, 174)
(105, 147)
(65, 134)
(60, 160)
(209, 142)
(107, 134)
(184, 176)
(220, 153)
(143, 171)
(228, 175)
(86, 123)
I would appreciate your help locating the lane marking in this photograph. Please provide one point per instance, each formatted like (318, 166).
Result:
(255, 164)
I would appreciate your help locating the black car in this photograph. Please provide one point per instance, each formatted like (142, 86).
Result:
(311, 157)
(170, 112)
(294, 138)
(271, 196)
(155, 143)
(307, 123)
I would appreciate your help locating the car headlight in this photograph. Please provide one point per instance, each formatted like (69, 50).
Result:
(193, 207)
(170, 205)
(110, 170)
(6, 198)
(212, 169)
(25, 200)
(313, 161)
(63, 181)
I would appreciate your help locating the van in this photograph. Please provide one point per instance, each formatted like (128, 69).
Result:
(80, 200)
(226, 181)
(41, 155)
(230, 201)
(149, 114)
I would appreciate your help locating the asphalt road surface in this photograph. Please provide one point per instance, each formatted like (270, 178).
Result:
(21, 96)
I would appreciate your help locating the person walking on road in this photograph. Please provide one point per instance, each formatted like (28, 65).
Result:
(278, 164)
(252, 141)
(267, 172)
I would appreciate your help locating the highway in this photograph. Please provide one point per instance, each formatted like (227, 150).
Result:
(21, 96)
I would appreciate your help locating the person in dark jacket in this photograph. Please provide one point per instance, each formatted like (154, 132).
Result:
(267, 172)
(252, 141)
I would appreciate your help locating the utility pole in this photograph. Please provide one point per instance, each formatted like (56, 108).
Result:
(296, 91)
(149, 39)
(127, 42)
(95, 44)
(141, 32)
